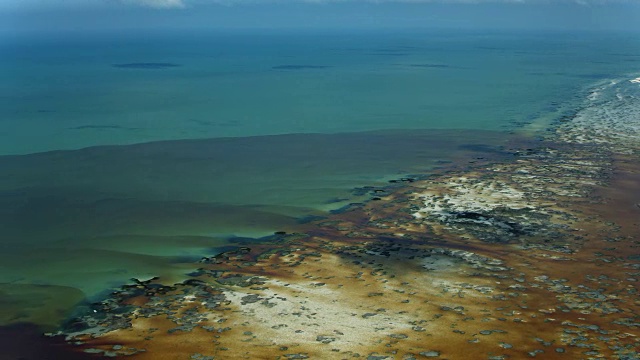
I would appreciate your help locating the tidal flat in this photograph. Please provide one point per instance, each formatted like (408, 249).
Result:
(535, 256)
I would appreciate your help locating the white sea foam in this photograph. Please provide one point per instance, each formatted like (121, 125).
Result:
(613, 121)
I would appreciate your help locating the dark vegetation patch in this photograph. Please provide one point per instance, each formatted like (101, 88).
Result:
(98, 127)
(146, 65)
(299, 67)
(435, 66)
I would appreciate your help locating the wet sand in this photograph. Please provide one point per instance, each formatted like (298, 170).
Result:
(536, 256)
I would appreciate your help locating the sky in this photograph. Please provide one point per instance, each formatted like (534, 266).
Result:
(18, 16)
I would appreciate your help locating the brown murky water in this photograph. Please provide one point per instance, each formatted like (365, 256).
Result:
(82, 222)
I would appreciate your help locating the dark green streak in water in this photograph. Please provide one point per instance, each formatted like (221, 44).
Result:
(152, 65)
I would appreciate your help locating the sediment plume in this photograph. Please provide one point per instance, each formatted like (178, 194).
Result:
(537, 256)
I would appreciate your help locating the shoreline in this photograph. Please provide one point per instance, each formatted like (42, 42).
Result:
(507, 259)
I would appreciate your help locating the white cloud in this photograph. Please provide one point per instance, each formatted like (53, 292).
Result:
(414, 1)
(178, 4)
(160, 4)
(83, 4)
(238, 2)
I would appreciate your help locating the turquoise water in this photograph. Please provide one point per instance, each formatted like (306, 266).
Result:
(63, 93)
(128, 156)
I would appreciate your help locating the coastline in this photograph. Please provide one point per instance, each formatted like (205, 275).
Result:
(508, 259)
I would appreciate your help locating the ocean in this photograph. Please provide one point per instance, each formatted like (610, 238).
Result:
(132, 155)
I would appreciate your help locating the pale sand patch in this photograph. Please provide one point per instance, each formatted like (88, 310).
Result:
(460, 194)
